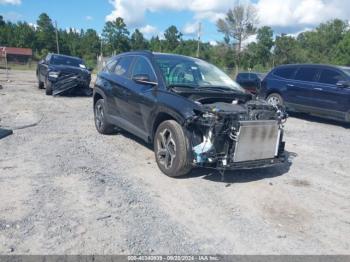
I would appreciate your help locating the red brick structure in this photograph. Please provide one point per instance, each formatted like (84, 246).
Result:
(15, 54)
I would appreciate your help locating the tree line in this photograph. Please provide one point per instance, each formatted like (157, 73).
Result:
(327, 43)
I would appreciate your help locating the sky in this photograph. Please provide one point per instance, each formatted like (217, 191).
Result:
(152, 17)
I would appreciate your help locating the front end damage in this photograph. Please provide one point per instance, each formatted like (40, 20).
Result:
(71, 84)
(237, 135)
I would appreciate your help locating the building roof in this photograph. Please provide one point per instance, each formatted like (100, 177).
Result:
(16, 51)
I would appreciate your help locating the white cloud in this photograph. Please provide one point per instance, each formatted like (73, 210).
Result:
(301, 12)
(10, 2)
(190, 28)
(208, 9)
(148, 29)
(213, 43)
(275, 13)
(89, 18)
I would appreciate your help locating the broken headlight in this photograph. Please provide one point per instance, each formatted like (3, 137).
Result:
(54, 74)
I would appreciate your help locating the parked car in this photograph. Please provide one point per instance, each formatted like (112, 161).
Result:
(250, 81)
(191, 111)
(61, 73)
(322, 90)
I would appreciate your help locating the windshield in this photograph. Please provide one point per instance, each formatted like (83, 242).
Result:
(194, 73)
(69, 61)
(347, 71)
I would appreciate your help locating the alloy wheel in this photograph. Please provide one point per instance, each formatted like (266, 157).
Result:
(166, 148)
(274, 101)
(99, 116)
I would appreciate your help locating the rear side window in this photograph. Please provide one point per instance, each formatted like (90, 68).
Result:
(306, 74)
(123, 66)
(330, 77)
(110, 66)
(243, 76)
(253, 77)
(142, 67)
(285, 72)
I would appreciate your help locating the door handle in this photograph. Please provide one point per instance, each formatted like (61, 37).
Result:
(318, 89)
(290, 85)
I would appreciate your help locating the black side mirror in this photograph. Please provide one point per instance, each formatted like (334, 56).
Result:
(343, 84)
(90, 69)
(143, 79)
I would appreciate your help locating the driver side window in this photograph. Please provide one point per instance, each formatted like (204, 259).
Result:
(142, 67)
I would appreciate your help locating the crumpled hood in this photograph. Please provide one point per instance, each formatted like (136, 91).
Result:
(69, 70)
(212, 96)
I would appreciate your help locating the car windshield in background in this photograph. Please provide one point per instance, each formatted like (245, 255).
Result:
(347, 71)
(68, 61)
(194, 73)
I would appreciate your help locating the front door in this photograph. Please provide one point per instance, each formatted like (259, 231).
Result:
(329, 97)
(141, 96)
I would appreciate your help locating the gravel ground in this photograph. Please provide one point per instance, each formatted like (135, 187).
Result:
(65, 189)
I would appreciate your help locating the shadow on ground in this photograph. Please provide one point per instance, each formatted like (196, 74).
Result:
(230, 176)
(240, 176)
(317, 119)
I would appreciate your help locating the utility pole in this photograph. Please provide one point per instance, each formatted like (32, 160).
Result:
(199, 38)
(101, 52)
(57, 45)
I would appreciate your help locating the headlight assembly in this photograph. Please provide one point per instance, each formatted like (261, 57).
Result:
(54, 74)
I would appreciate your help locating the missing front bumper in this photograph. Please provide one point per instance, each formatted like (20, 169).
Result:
(250, 145)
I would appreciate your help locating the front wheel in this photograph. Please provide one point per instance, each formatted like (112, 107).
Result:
(275, 99)
(171, 149)
(48, 88)
(40, 84)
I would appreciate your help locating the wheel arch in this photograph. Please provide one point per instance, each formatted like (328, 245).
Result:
(273, 91)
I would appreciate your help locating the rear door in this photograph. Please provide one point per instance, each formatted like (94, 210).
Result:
(301, 89)
(328, 96)
(120, 86)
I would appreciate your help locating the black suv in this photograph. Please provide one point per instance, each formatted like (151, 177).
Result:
(322, 90)
(192, 112)
(250, 81)
(61, 74)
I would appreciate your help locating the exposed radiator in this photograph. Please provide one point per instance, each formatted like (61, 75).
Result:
(257, 140)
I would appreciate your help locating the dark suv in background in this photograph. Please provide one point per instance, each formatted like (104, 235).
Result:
(193, 113)
(250, 81)
(60, 74)
(322, 90)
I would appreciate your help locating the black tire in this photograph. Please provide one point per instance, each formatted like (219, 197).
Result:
(48, 88)
(171, 148)
(101, 124)
(40, 84)
(275, 99)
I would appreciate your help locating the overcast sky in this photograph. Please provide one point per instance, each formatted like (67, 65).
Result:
(154, 16)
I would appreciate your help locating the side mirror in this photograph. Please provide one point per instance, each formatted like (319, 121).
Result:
(343, 84)
(144, 80)
(90, 69)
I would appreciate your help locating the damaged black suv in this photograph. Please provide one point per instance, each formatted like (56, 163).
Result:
(60, 74)
(192, 112)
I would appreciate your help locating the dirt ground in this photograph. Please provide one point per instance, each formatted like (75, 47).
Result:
(65, 189)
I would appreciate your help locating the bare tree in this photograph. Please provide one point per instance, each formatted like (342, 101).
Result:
(238, 25)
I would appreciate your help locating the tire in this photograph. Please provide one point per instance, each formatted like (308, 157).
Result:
(101, 124)
(275, 99)
(48, 88)
(171, 148)
(40, 84)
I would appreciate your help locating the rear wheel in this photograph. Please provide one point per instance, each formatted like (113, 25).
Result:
(171, 149)
(102, 126)
(275, 99)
